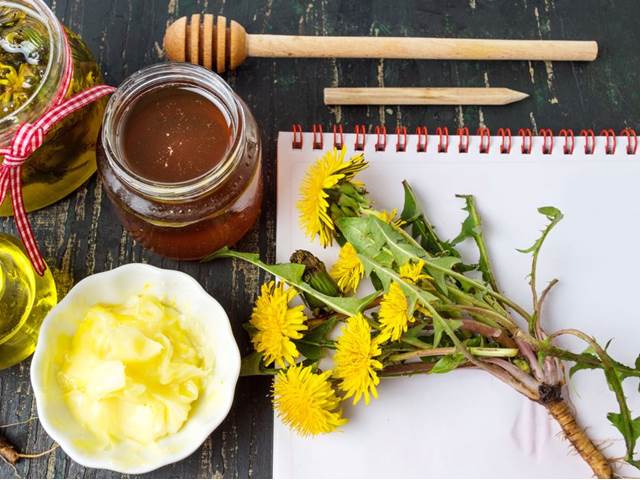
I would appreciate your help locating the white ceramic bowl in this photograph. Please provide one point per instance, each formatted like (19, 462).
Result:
(217, 343)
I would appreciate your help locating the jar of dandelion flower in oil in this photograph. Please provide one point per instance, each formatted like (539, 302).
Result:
(32, 59)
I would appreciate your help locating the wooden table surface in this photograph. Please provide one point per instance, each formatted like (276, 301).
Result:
(81, 236)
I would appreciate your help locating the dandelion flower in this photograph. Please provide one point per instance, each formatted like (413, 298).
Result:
(348, 270)
(390, 217)
(394, 314)
(306, 402)
(15, 85)
(355, 363)
(412, 272)
(276, 324)
(323, 176)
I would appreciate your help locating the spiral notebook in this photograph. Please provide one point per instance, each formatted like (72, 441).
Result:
(465, 423)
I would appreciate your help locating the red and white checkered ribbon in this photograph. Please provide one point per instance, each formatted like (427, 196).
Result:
(28, 138)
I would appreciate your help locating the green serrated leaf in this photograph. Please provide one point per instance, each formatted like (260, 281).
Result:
(454, 324)
(310, 351)
(448, 363)
(250, 329)
(292, 275)
(438, 274)
(292, 272)
(581, 366)
(322, 331)
(470, 226)
(554, 216)
(369, 235)
(414, 332)
(358, 232)
(415, 219)
(472, 229)
(404, 249)
(410, 210)
(618, 421)
(251, 365)
(590, 354)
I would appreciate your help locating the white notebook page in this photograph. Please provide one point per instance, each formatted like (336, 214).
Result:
(466, 423)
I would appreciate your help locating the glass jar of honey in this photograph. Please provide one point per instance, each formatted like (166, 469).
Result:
(180, 158)
(32, 59)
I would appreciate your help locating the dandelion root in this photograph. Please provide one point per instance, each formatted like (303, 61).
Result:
(8, 452)
(579, 439)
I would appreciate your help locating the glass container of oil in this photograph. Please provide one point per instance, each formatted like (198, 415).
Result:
(25, 299)
(32, 58)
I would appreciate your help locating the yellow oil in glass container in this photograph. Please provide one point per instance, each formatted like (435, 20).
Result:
(32, 56)
(25, 299)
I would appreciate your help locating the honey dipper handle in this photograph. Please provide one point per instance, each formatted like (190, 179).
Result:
(419, 48)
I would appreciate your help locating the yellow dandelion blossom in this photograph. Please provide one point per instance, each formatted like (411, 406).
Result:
(413, 272)
(394, 314)
(322, 176)
(390, 217)
(355, 363)
(348, 270)
(306, 402)
(276, 324)
(15, 85)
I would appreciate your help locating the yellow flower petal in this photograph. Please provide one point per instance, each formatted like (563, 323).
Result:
(355, 363)
(390, 217)
(313, 206)
(412, 272)
(276, 324)
(348, 271)
(394, 314)
(306, 401)
(16, 85)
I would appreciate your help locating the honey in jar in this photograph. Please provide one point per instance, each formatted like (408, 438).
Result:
(180, 158)
(32, 59)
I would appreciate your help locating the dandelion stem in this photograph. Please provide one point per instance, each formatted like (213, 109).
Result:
(437, 352)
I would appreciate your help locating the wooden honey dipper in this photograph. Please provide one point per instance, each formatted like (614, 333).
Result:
(208, 41)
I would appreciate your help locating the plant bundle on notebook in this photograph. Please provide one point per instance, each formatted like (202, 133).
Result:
(431, 312)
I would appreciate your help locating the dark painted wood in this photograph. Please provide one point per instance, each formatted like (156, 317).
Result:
(81, 235)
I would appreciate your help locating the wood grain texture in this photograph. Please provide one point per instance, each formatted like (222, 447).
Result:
(421, 96)
(81, 235)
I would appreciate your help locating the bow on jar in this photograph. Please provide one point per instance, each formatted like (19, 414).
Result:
(27, 139)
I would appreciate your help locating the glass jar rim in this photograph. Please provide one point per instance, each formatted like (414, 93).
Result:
(163, 75)
(51, 75)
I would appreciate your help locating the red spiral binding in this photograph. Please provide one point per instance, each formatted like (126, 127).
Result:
(443, 141)
(318, 137)
(525, 133)
(569, 141)
(464, 139)
(505, 145)
(381, 138)
(589, 136)
(610, 136)
(297, 136)
(632, 140)
(463, 146)
(401, 133)
(337, 131)
(547, 141)
(485, 139)
(360, 130)
(423, 138)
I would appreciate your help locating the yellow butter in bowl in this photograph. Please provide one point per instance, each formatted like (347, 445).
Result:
(132, 371)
